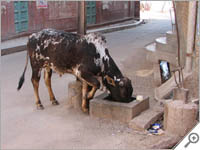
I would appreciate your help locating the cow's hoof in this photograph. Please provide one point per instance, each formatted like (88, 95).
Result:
(55, 102)
(40, 107)
(85, 110)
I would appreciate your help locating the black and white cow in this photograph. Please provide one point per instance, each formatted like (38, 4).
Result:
(85, 56)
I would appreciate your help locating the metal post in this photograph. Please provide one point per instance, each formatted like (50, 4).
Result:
(81, 18)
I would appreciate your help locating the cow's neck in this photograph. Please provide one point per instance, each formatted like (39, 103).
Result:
(112, 70)
(114, 75)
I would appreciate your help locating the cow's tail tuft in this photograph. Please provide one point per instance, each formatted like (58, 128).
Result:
(21, 80)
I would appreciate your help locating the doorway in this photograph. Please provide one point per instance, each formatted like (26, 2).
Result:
(21, 16)
(91, 12)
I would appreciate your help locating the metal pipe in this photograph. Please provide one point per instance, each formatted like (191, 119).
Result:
(195, 33)
(177, 33)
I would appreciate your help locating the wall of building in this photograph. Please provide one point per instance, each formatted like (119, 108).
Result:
(113, 10)
(61, 15)
(182, 9)
(186, 16)
(7, 19)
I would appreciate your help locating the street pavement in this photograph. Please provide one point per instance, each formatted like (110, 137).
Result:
(56, 127)
(123, 43)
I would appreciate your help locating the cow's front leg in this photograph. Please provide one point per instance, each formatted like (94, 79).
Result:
(91, 81)
(84, 96)
(90, 95)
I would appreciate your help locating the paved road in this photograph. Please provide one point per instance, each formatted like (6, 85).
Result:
(24, 127)
(123, 43)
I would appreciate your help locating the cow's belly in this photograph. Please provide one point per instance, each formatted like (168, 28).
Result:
(60, 70)
(63, 62)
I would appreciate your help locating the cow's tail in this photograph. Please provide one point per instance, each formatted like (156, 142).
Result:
(21, 80)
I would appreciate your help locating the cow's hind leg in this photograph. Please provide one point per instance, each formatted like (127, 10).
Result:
(47, 79)
(35, 81)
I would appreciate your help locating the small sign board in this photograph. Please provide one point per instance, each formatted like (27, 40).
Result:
(41, 4)
(164, 70)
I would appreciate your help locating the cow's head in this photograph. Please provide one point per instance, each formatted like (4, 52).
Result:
(121, 89)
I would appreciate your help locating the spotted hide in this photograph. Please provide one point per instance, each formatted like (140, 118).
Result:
(85, 56)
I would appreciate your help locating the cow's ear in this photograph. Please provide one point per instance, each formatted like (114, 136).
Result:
(110, 81)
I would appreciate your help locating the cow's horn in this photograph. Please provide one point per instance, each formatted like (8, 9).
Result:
(121, 83)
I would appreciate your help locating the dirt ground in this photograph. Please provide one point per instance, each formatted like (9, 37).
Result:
(61, 127)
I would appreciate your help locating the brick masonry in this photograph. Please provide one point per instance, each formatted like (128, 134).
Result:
(61, 15)
(52, 17)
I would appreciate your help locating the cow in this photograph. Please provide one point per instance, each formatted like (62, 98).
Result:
(85, 56)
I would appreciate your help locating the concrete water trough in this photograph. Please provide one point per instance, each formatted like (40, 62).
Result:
(124, 112)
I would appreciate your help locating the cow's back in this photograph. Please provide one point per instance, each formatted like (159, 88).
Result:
(52, 41)
(62, 50)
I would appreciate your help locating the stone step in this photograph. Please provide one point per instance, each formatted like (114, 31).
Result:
(146, 118)
(172, 40)
(151, 57)
(161, 40)
(154, 57)
(151, 47)
(170, 35)
(162, 45)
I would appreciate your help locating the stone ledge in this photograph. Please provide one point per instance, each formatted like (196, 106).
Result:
(11, 50)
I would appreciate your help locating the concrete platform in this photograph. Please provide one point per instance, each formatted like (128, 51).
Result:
(123, 112)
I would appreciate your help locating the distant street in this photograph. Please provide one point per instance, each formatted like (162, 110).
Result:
(60, 127)
(123, 43)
